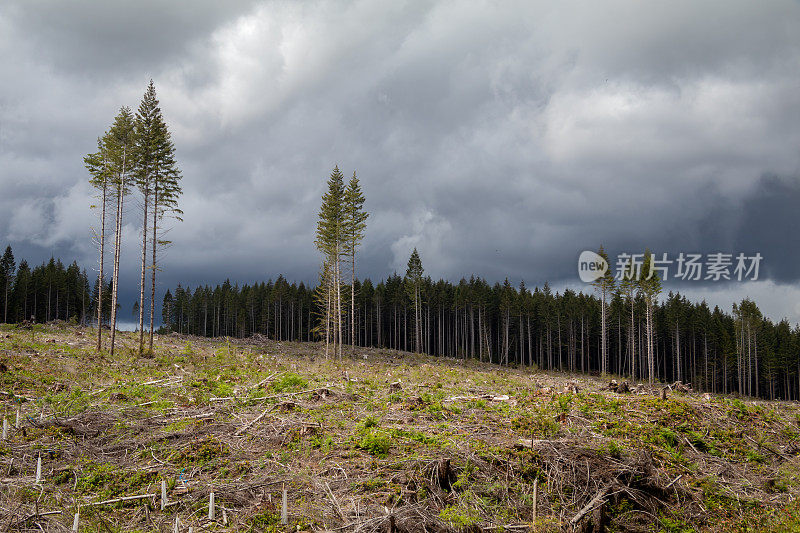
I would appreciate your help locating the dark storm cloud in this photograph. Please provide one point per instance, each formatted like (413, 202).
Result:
(500, 138)
(86, 37)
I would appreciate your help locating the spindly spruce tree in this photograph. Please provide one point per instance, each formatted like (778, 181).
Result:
(147, 132)
(627, 288)
(111, 167)
(605, 286)
(98, 166)
(119, 144)
(331, 240)
(649, 287)
(165, 187)
(413, 280)
(355, 224)
(7, 269)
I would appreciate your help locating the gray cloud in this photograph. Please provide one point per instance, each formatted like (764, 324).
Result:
(501, 139)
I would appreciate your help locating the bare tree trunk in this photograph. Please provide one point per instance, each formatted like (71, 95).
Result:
(117, 250)
(153, 267)
(353, 302)
(100, 280)
(144, 269)
(632, 338)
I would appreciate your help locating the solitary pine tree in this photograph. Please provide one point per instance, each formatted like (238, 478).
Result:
(414, 273)
(356, 223)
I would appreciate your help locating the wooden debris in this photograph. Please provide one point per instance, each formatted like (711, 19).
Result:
(598, 500)
(123, 499)
(444, 474)
(619, 388)
(679, 386)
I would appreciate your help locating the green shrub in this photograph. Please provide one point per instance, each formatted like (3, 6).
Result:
(289, 382)
(375, 442)
(459, 517)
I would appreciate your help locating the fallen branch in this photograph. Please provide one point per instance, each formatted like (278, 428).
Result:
(29, 517)
(123, 499)
(259, 417)
(598, 499)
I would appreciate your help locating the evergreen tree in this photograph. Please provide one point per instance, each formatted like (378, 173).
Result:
(355, 224)
(19, 295)
(413, 279)
(165, 179)
(147, 141)
(649, 287)
(605, 286)
(332, 242)
(7, 270)
(167, 311)
(119, 144)
(99, 167)
(627, 288)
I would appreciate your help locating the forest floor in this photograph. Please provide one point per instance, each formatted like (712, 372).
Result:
(378, 441)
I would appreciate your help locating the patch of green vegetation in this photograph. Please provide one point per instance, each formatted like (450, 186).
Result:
(369, 422)
(179, 425)
(289, 382)
(266, 521)
(459, 517)
(672, 525)
(755, 457)
(614, 449)
(375, 442)
(739, 409)
(538, 422)
(199, 452)
(105, 480)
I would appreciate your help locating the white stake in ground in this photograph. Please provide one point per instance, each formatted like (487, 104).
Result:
(211, 506)
(19, 418)
(76, 520)
(39, 469)
(164, 495)
(284, 509)
(5, 428)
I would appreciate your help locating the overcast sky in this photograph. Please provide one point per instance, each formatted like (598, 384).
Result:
(499, 138)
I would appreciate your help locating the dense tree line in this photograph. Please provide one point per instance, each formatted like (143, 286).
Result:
(714, 350)
(50, 291)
